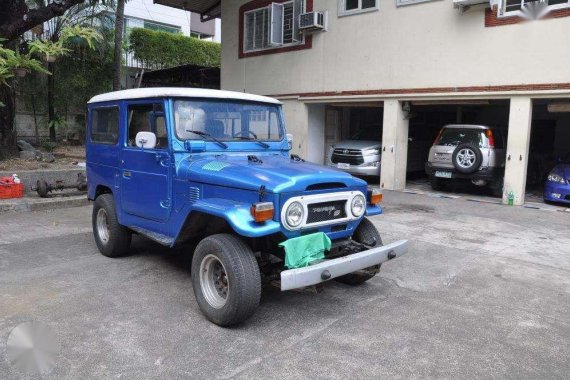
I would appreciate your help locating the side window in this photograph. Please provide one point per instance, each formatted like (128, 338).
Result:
(105, 125)
(147, 118)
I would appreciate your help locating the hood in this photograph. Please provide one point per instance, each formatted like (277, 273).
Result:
(358, 144)
(563, 170)
(278, 173)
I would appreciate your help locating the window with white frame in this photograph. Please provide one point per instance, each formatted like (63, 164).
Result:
(401, 3)
(275, 25)
(516, 7)
(349, 7)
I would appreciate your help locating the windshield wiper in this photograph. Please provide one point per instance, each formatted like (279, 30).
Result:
(207, 135)
(262, 143)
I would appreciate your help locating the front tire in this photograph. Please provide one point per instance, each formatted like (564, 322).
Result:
(366, 233)
(113, 240)
(226, 279)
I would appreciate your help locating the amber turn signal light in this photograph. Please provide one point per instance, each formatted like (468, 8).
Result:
(375, 197)
(262, 211)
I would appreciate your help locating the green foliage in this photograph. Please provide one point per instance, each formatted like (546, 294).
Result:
(82, 34)
(58, 122)
(49, 146)
(162, 49)
(24, 61)
(11, 60)
(48, 48)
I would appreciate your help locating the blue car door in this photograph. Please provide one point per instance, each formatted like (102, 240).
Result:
(145, 186)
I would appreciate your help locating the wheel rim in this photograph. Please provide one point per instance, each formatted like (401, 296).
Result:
(214, 281)
(103, 226)
(466, 158)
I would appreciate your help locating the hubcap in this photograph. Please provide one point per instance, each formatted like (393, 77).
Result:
(214, 281)
(103, 226)
(466, 158)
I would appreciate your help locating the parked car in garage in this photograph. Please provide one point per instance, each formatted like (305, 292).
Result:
(557, 186)
(363, 157)
(468, 152)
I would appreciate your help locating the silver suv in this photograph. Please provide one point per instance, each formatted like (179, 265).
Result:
(362, 157)
(473, 152)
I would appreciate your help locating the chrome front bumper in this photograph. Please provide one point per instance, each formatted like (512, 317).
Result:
(360, 170)
(329, 269)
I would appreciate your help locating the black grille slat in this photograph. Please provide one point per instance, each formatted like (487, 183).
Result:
(326, 211)
(347, 156)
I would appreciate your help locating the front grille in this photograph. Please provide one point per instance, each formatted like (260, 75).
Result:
(325, 211)
(347, 156)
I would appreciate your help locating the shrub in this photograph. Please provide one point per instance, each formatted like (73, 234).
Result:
(162, 49)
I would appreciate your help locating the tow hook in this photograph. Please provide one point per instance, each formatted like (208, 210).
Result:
(326, 275)
(391, 255)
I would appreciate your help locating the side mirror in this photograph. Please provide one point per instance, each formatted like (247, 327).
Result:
(146, 140)
(290, 141)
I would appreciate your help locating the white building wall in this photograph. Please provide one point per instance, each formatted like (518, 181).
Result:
(425, 45)
(147, 10)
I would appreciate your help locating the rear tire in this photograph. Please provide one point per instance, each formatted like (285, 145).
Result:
(497, 189)
(436, 184)
(113, 240)
(226, 279)
(366, 233)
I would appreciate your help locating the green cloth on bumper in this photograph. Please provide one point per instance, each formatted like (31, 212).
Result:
(301, 251)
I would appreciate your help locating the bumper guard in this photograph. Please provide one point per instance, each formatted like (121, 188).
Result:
(329, 269)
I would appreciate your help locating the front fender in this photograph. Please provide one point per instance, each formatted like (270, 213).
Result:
(238, 216)
(372, 210)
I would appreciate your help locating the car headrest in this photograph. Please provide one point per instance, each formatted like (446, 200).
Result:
(215, 128)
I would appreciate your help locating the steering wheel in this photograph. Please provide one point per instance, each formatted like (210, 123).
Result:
(240, 133)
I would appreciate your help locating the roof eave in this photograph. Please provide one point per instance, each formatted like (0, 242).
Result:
(208, 9)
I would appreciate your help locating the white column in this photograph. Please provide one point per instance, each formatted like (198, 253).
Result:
(520, 119)
(394, 146)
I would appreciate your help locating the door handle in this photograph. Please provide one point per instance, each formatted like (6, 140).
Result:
(127, 174)
(162, 159)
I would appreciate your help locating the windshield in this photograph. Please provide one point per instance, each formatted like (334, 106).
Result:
(227, 121)
(456, 136)
(566, 160)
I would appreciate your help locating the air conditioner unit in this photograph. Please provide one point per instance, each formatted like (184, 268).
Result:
(313, 21)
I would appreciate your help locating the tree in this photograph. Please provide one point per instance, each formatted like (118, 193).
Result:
(117, 59)
(17, 17)
(76, 23)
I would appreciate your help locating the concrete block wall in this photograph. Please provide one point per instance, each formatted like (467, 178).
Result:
(30, 177)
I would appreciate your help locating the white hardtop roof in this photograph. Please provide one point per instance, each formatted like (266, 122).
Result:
(179, 92)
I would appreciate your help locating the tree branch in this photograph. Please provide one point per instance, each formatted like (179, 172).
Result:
(16, 18)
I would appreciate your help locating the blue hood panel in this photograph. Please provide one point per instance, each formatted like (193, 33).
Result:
(278, 173)
(563, 170)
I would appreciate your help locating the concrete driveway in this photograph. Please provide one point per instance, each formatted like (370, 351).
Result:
(484, 293)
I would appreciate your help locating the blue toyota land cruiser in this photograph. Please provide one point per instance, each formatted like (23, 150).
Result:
(214, 167)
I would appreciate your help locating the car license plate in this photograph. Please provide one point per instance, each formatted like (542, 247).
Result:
(342, 165)
(443, 174)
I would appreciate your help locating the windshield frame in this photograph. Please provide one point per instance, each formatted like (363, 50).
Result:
(272, 107)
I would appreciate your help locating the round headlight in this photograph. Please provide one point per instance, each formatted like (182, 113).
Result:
(358, 205)
(294, 214)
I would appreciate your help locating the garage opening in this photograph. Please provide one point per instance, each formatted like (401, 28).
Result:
(353, 133)
(440, 131)
(548, 172)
